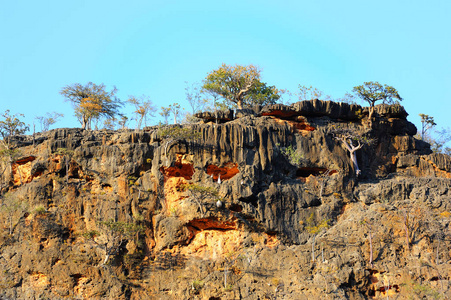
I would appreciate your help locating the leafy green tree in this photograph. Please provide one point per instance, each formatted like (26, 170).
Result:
(240, 85)
(144, 109)
(373, 92)
(92, 101)
(11, 125)
(48, 120)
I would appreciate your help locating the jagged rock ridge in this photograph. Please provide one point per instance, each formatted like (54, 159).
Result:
(257, 243)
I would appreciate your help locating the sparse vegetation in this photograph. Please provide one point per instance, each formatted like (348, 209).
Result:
(294, 156)
(314, 229)
(12, 208)
(40, 210)
(201, 193)
(172, 134)
(115, 235)
(48, 120)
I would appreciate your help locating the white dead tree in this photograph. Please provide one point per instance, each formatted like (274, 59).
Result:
(352, 141)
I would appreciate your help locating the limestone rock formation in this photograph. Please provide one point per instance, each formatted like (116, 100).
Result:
(134, 215)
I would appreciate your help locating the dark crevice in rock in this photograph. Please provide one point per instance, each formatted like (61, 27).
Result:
(306, 172)
(235, 207)
(252, 200)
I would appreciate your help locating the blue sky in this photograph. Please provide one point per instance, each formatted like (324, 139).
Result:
(153, 47)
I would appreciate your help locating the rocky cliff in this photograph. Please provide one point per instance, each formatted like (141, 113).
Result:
(261, 203)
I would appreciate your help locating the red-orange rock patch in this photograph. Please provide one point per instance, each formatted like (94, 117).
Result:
(180, 169)
(280, 113)
(298, 124)
(228, 171)
(211, 223)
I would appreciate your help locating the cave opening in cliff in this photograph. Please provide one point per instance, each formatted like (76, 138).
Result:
(306, 172)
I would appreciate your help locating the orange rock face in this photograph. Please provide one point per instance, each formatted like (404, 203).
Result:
(228, 171)
(181, 168)
(22, 170)
(298, 125)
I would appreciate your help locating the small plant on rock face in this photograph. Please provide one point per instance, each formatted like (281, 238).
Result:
(40, 210)
(174, 212)
(295, 157)
(116, 234)
(197, 285)
(131, 180)
(91, 234)
(315, 230)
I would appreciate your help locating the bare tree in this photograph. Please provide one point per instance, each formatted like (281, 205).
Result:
(144, 109)
(48, 120)
(352, 141)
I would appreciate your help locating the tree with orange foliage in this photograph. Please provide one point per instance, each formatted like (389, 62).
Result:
(144, 109)
(92, 101)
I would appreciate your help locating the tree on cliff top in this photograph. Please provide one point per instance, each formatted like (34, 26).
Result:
(372, 92)
(48, 120)
(92, 101)
(240, 86)
(144, 109)
(427, 122)
(11, 125)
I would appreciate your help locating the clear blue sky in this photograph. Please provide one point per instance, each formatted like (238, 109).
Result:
(153, 47)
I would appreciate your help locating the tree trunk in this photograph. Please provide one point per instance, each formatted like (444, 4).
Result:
(67, 170)
(371, 247)
(370, 116)
(313, 248)
(106, 259)
(354, 162)
(83, 122)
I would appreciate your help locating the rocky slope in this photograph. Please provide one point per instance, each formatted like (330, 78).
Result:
(218, 210)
